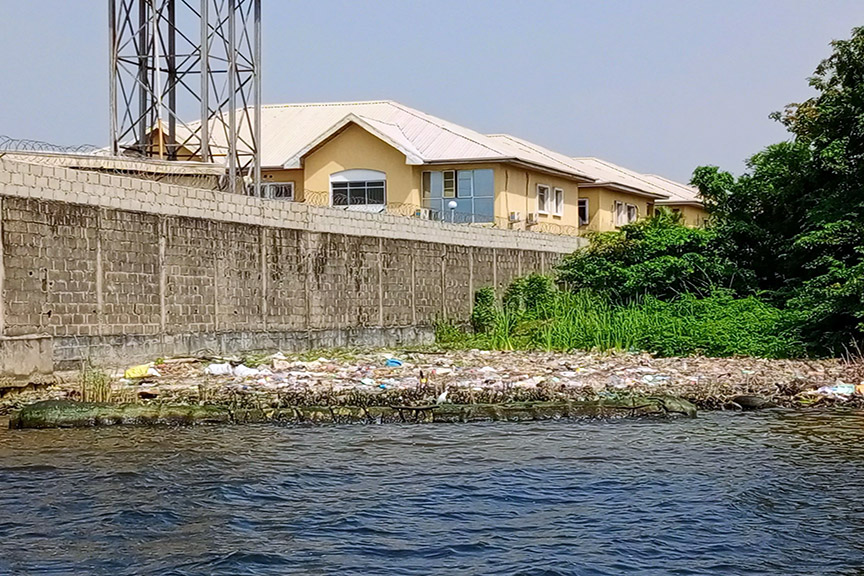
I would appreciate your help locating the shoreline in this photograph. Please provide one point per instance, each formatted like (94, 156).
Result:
(70, 414)
(366, 379)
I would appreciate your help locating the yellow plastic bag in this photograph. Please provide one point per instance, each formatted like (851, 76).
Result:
(140, 371)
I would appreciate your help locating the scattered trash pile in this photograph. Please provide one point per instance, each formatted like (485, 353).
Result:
(388, 378)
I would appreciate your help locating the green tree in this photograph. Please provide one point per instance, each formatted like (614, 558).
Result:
(657, 256)
(796, 219)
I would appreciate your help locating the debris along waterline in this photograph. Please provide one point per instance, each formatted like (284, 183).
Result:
(70, 414)
(421, 377)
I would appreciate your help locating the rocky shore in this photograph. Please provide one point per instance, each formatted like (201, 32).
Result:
(282, 387)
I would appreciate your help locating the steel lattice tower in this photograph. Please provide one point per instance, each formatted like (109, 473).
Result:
(186, 82)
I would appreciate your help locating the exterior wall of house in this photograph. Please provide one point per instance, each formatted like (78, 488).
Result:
(691, 215)
(601, 207)
(519, 193)
(497, 175)
(278, 175)
(355, 148)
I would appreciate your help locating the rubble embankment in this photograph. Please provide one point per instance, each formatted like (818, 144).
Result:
(432, 386)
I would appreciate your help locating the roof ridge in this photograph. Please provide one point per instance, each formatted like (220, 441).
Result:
(627, 172)
(533, 146)
(393, 124)
(417, 114)
(317, 104)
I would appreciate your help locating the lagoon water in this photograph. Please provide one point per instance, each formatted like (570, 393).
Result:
(764, 493)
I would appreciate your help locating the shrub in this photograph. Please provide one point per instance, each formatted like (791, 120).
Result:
(530, 294)
(658, 256)
(484, 312)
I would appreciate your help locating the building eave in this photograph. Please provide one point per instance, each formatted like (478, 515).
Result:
(624, 188)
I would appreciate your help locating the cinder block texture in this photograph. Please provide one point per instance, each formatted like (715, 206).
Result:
(117, 268)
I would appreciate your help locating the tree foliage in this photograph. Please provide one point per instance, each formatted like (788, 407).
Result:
(790, 230)
(657, 256)
(796, 219)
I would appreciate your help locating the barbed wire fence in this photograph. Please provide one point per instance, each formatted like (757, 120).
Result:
(95, 159)
(213, 177)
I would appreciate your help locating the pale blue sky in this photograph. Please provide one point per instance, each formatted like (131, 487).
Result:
(658, 86)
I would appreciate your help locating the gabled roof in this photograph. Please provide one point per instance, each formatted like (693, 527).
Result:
(678, 193)
(666, 191)
(609, 175)
(289, 131)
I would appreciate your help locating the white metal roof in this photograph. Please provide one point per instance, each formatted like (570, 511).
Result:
(666, 191)
(678, 193)
(289, 131)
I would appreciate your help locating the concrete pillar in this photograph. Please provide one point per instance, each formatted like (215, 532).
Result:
(413, 287)
(444, 281)
(162, 232)
(100, 297)
(305, 257)
(217, 268)
(381, 282)
(262, 240)
(2, 276)
(470, 278)
(495, 270)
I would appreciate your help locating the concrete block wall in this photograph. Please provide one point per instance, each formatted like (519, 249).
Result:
(116, 269)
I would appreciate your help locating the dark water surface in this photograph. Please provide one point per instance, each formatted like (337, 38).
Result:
(767, 493)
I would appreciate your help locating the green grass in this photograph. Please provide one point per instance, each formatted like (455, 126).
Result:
(716, 325)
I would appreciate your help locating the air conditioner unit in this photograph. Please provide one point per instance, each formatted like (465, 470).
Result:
(532, 218)
(515, 216)
(423, 213)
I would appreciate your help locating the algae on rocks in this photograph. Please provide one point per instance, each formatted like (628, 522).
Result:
(69, 414)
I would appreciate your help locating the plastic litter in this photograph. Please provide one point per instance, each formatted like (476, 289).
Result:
(838, 389)
(382, 386)
(140, 371)
(281, 365)
(219, 369)
(393, 363)
(244, 371)
(368, 381)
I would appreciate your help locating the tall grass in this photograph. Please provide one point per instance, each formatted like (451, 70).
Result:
(95, 385)
(716, 325)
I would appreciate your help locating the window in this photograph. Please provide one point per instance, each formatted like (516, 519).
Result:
(583, 211)
(449, 184)
(559, 202)
(542, 198)
(472, 190)
(625, 213)
(358, 189)
(278, 190)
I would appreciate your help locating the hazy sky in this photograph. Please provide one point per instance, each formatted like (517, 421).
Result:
(659, 86)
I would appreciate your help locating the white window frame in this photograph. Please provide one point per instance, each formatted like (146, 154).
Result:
(355, 176)
(449, 176)
(558, 199)
(543, 206)
(634, 215)
(271, 187)
(583, 202)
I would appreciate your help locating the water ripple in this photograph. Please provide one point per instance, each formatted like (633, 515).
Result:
(768, 493)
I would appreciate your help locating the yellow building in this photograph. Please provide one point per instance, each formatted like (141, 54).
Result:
(619, 196)
(682, 199)
(383, 156)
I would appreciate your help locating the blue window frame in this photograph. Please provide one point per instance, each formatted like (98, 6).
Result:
(474, 195)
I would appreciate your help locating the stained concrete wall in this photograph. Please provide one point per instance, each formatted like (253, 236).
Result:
(118, 270)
